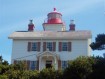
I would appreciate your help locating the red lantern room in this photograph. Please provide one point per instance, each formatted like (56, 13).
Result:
(54, 22)
(54, 17)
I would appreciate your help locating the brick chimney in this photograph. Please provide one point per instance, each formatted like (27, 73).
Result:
(31, 26)
(72, 25)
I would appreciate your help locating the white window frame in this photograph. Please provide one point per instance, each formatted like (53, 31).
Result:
(34, 46)
(64, 46)
(64, 64)
(49, 46)
(33, 65)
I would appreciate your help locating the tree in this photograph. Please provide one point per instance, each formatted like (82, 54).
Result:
(99, 43)
(4, 66)
(1, 59)
(79, 68)
(5, 62)
(98, 69)
(21, 65)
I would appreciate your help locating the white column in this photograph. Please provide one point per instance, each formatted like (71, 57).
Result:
(40, 62)
(55, 62)
(41, 45)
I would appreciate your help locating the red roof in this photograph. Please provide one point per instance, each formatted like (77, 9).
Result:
(54, 12)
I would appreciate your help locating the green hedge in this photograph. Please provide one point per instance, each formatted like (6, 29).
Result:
(80, 68)
(3, 77)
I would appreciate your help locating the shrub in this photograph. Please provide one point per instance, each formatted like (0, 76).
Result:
(79, 68)
(3, 77)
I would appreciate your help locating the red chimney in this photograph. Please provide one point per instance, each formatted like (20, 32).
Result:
(72, 25)
(31, 26)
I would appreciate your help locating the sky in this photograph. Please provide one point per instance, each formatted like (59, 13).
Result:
(15, 16)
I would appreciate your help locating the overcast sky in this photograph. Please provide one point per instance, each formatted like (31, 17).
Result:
(15, 16)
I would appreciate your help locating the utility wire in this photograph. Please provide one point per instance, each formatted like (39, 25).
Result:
(25, 56)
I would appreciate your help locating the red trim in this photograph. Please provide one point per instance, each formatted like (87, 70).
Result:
(29, 46)
(31, 27)
(54, 9)
(69, 46)
(72, 27)
(38, 46)
(44, 46)
(54, 13)
(54, 20)
(59, 64)
(60, 46)
(28, 64)
(53, 23)
(37, 65)
(54, 46)
(15, 61)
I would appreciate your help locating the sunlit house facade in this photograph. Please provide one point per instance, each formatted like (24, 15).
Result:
(54, 46)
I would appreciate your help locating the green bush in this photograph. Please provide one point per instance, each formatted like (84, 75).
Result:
(3, 68)
(47, 73)
(3, 77)
(30, 75)
(50, 73)
(98, 69)
(79, 68)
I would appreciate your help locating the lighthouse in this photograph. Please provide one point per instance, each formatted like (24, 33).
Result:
(54, 46)
(54, 22)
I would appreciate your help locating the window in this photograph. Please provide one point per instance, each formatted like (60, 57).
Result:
(50, 46)
(34, 46)
(33, 65)
(64, 46)
(64, 64)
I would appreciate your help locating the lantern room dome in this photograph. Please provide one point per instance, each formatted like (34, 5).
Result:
(55, 12)
(54, 17)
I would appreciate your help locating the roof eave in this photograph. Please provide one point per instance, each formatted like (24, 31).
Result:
(51, 38)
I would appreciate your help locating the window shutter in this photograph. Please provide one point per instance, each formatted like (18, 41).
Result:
(29, 46)
(44, 46)
(15, 61)
(28, 64)
(54, 46)
(59, 64)
(69, 46)
(38, 49)
(60, 46)
(37, 65)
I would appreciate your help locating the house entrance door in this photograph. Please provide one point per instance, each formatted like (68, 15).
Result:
(48, 64)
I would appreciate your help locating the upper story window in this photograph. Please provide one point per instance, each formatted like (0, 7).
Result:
(50, 46)
(65, 46)
(33, 46)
